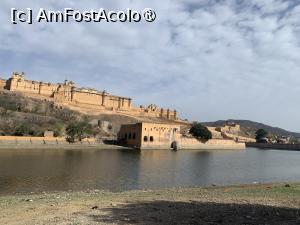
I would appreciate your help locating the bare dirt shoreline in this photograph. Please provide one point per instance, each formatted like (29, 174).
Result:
(248, 204)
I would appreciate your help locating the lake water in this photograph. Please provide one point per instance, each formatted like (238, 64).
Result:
(117, 170)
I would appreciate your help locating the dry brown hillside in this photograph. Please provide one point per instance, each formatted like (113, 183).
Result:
(34, 116)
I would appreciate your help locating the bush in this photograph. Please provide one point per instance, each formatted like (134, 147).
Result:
(200, 132)
(73, 131)
(260, 133)
(78, 130)
(23, 130)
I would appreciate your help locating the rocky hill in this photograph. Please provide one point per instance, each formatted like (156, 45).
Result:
(30, 116)
(250, 127)
(34, 116)
(20, 114)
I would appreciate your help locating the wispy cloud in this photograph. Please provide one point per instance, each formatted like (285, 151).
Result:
(209, 59)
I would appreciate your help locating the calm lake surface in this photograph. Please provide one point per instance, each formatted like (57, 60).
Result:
(117, 170)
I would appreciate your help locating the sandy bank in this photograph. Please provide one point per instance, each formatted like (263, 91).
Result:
(251, 204)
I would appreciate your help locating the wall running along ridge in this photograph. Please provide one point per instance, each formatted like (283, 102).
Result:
(82, 99)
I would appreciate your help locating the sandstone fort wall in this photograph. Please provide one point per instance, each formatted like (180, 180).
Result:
(68, 94)
(217, 144)
(2, 83)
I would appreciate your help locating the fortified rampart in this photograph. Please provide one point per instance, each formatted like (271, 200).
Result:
(229, 132)
(82, 99)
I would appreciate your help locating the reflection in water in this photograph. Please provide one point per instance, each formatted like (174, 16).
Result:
(117, 170)
(200, 162)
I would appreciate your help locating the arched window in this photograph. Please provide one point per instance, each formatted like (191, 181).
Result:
(151, 138)
(145, 138)
(129, 136)
(133, 136)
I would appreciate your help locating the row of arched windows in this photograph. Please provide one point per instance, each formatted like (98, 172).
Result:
(146, 138)
(130, 136)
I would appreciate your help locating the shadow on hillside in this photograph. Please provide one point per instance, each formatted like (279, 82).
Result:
(165, 212)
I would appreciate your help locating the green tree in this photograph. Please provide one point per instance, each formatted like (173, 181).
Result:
(200, 132)
(260, 133)
(23, 130)
(72, 131)
(78, 131)
(57, 129)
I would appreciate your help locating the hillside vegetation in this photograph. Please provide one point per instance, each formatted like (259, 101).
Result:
(250, 127)
(20, 115)
(25, 116)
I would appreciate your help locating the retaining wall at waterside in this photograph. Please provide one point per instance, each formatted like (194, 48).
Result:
(42, 142)
(221, 144)
(274, 146)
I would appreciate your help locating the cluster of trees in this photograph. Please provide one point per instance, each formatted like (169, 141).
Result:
(17, 128)
(200, 132)
(23, 130)
(260, 134)
(22, 116)
(76, 131)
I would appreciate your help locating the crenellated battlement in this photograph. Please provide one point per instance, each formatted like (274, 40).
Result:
(68, 94)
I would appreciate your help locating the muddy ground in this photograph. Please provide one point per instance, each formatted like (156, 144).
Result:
(249, 204)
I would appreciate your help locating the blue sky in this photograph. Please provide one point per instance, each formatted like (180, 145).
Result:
(208, 59)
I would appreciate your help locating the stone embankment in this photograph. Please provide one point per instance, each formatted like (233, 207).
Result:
(15, 142)
(219, 144)
(295, 147)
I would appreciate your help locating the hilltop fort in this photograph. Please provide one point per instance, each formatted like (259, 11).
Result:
(84, 100)
(110, 116)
